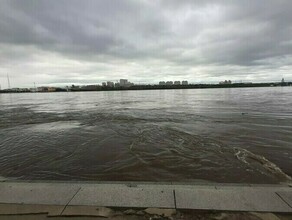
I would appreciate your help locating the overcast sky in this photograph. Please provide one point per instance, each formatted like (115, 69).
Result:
(57, 42)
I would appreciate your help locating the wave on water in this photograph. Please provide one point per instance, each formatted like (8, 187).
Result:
(2, 178)
(152, 145)
(261, 163)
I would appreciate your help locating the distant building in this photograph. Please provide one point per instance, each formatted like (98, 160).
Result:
(184, 83)
(117, 84)
(283, 83)
(51, 89)
(25, 90)
(110, 84)
(90, 87)
(176, 82)
(48, 89)
(75, 88)
(42, 89)
(169, 83)
(103, 84)
(15, 90)
(162, 83)
(123, 82)
(129, 84)
(226, 82)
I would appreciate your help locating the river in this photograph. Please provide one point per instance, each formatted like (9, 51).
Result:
(233, 135)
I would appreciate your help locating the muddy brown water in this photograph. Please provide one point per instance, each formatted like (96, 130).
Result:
(239, 135)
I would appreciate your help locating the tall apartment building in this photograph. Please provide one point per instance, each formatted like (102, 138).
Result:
(123, 82)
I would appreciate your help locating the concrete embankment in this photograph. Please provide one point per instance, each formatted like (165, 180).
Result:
(74, 198)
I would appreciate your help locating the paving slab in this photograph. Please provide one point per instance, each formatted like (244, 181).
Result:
(67, 196)
(88, 211)
(19, 209)
(193, 187)
(117, 195)
(245, 199)
(172, 187)
(286, 196)
(271, 188)
(37, 193)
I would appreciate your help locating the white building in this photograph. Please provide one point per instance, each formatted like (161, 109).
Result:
(123, 82)
(110, 84)
(169, 83)
(162, 83)
(184, 83)
(176, 82)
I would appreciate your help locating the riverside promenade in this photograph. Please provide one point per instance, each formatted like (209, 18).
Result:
(64, 198)
(69, 199)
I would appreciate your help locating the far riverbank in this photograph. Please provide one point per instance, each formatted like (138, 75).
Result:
(74, 88)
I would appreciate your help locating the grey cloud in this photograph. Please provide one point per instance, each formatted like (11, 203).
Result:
(187, 36)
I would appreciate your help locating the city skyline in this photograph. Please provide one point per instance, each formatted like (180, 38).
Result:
(68, 42)
(123, 84)
(118, 82)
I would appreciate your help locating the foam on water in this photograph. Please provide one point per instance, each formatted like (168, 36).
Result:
(54, 126)
(261, 163)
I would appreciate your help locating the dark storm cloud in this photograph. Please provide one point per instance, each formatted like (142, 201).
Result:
(134, 38)
(53, 25)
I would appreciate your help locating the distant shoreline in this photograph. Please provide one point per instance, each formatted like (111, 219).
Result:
(157, 87)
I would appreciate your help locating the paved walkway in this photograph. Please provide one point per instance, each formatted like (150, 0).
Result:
(61, 197)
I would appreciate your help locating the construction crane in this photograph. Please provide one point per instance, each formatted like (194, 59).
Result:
(8, 81)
